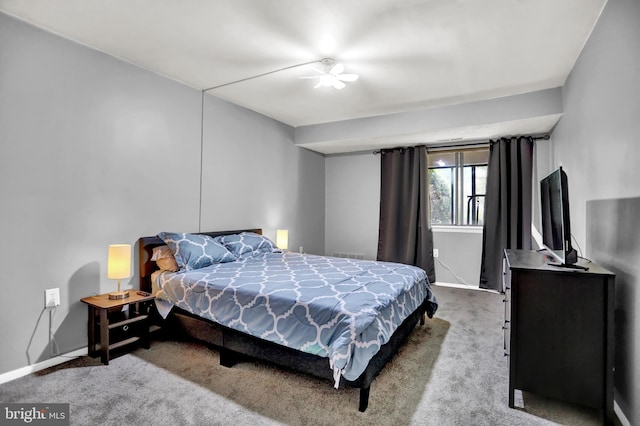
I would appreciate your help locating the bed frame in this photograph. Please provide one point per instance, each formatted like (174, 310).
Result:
(235, 346)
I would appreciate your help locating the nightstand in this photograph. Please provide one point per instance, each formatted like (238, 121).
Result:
(119, 323)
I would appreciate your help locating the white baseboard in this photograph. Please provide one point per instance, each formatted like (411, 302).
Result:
(25, 371)
(621, 417)
(456, 285)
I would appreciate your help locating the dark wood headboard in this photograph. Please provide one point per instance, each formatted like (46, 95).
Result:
(145, 251)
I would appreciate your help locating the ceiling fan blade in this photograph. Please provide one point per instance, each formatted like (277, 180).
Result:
(347, 77)
(337, 69)
(318, 85)
(338, 84)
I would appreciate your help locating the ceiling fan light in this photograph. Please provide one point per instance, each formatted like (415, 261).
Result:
(327, 80)
(338, 84)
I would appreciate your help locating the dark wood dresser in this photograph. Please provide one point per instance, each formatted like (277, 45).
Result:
(559, 330)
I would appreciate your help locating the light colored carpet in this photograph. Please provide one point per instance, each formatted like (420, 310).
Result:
(451, 372)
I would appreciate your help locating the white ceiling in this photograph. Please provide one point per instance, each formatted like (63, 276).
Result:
(410, 54)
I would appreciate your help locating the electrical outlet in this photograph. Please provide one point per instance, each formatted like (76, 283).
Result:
(436, 253)
(52, 298)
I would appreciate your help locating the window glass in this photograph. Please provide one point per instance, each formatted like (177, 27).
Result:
(474, 190)
(442, 159)
(441, 192)
(457, 185)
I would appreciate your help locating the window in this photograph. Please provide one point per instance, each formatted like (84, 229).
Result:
(457, 185)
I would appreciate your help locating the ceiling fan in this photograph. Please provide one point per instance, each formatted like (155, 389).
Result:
(332, 75)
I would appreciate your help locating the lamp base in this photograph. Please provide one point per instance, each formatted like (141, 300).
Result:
(119, 295)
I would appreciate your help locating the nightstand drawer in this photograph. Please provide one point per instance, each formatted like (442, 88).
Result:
(125, 331)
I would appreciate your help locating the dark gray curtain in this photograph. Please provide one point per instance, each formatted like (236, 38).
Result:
(405, 233)
(507, 220)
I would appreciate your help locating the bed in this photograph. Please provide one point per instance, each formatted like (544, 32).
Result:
(334, 318)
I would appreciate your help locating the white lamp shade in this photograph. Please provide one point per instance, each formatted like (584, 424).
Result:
(119, 261)
(282, 239)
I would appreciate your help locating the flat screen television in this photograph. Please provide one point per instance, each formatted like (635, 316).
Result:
(556, 223)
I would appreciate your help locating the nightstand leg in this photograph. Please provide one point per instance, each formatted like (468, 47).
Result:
(91, 332)
(104, 337)
(145, 331)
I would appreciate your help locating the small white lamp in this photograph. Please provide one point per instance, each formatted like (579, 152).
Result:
(119, 267)
(282, 239)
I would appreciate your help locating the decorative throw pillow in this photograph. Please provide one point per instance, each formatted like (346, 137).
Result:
(247, 243)
(163, 257)
(193, 251)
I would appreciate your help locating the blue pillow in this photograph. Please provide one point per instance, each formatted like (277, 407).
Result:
(247, 244)
(194, 251)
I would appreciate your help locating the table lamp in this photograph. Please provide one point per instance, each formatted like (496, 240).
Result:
(119, 267)
(282, 239)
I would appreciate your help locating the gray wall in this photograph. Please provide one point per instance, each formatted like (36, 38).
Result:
(543, 165)
(596, 142)
(459, 255)
(254, 176)
(95, 151)
(352, 204)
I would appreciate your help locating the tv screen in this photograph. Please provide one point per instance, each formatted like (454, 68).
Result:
(556, 225)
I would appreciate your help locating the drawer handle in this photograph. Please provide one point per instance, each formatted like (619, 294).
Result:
(125, 327)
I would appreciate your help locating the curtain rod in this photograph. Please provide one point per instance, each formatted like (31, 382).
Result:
(469, 144)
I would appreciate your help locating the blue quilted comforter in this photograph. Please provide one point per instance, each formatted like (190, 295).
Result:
(342, 309)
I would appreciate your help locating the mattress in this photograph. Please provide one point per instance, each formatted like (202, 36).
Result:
(341, 309)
